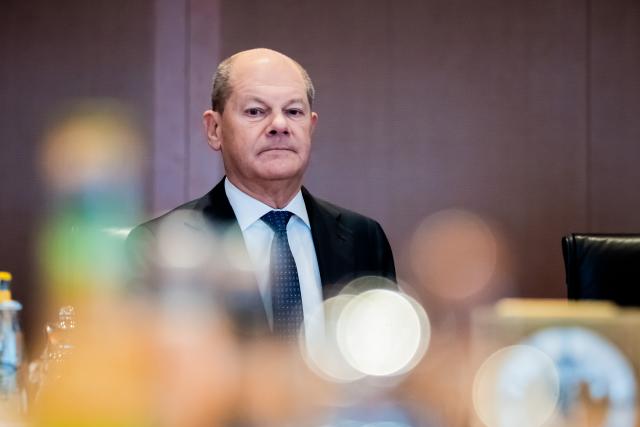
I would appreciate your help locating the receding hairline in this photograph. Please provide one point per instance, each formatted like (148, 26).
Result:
(233, 58)
(223, 78)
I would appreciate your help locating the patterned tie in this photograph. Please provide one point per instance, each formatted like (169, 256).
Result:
(286, 300)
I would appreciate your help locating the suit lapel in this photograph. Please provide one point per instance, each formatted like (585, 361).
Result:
(214, 213)
(216, 208)
(245, 308)
(333, 243)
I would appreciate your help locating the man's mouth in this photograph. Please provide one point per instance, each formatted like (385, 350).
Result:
(277, 148)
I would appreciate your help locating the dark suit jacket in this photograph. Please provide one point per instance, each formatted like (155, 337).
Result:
(348, 245)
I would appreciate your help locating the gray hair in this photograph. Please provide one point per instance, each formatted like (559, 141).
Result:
(222, 85)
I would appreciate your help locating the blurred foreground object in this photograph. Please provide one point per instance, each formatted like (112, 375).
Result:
(603, 266)
(174, 363)
(58, 349)
(100, 382)
(91, 160)
(12, 390)
(368, 330)
(366, 343)
(458, 259)
(557, 363)
(92, 142)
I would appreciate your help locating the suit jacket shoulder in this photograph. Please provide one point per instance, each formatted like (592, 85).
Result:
(211, 209)
(348, 245)
(192, 221)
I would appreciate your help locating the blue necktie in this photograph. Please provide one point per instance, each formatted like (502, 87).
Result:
(286, 300)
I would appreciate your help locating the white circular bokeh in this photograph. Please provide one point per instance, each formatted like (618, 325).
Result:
(380, 332)
(517, 385)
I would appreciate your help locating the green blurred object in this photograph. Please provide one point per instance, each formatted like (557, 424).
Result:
(83, 242)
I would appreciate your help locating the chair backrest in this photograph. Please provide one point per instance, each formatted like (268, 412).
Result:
(603, 266)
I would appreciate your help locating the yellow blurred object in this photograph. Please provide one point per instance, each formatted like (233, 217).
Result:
(525, 307)
(5, 283)
(106, 381)
(135, 364)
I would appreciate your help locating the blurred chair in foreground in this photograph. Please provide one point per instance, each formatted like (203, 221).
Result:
(603, 266)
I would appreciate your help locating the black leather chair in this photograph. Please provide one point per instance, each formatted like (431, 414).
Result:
(603, 266)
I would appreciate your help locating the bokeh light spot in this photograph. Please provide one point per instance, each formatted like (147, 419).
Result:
(454, 254)
(379, 332)
(517, 385)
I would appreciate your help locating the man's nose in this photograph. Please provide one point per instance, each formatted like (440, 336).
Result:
(279, 125)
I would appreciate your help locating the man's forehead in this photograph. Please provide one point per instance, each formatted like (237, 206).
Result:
(262, 58)
(267, 89)
(269, 95)
(265, 69)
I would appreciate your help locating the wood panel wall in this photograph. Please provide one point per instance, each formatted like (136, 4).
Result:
(614, 115)
(186, 53)
(522, 111)
(50, 54)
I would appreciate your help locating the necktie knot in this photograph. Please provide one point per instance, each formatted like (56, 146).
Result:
(277, 220)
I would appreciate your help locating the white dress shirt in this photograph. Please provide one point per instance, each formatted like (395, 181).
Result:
(258, 237)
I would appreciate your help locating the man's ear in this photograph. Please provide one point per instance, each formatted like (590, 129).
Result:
(314, 120)
(212, 121)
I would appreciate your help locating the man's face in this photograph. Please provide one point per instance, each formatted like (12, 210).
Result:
(265, 131)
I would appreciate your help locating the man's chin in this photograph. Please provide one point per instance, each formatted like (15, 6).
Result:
(282, 170)
(281, 176)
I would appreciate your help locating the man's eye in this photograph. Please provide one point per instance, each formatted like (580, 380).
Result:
(253, 112)
(295, 112)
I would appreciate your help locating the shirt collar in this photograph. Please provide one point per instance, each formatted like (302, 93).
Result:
(249, 210)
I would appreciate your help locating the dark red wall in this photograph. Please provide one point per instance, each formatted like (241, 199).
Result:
(51, 53)
(522, 111)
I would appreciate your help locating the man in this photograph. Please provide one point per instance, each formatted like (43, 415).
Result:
(302, 249)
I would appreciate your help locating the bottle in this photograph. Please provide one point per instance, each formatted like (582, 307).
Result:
(12, 393)
(60, 341)
(46, 370)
